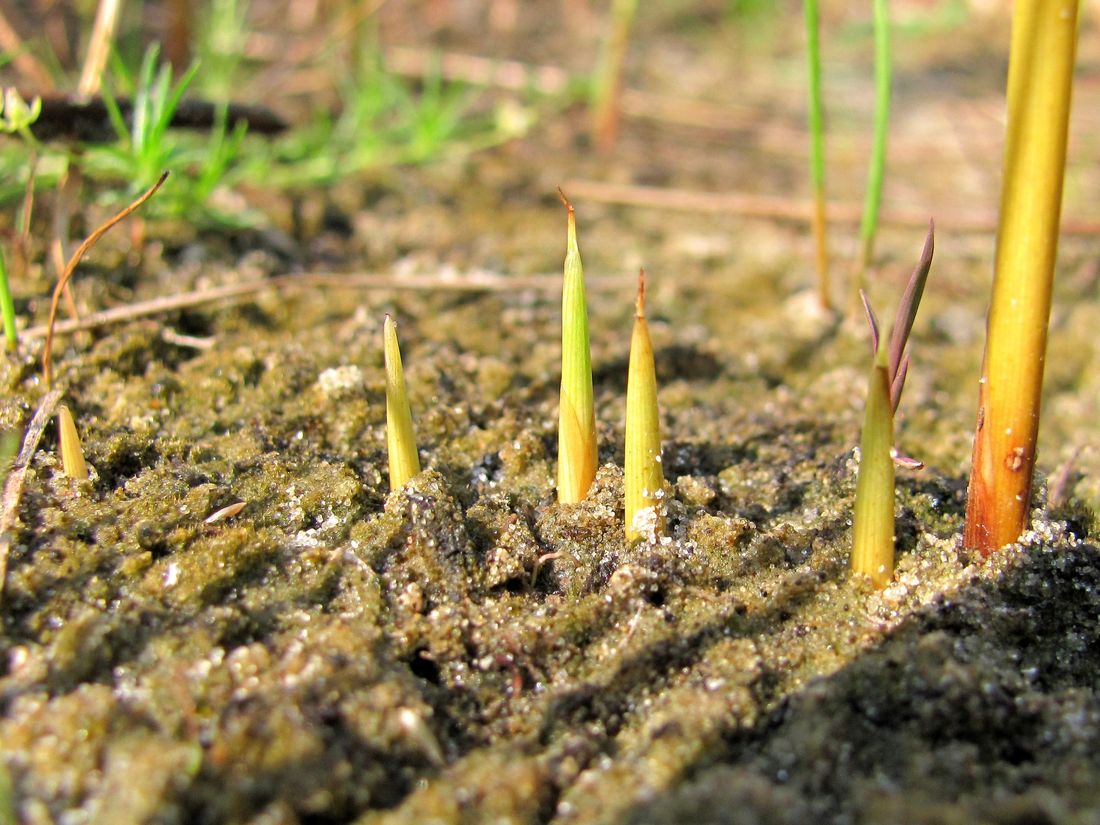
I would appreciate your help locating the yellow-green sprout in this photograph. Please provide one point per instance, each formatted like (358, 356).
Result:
(644, 476)
(400, 437)
(72, 454)
(873, 519)
(576, 412)
(873, 525)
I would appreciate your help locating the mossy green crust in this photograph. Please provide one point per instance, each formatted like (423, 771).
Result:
(465, 650)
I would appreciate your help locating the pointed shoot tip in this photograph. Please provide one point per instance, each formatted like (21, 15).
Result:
(565, 200)
(929, 243)
(639, 302)
(872, 321)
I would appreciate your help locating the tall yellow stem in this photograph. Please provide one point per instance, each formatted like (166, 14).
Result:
(1040, 80)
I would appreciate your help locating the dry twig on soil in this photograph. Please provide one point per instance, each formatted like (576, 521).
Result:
(471, 282)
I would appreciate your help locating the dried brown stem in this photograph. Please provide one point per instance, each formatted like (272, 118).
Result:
(473, 282)
(22, 242)
(63, 280)
(25, 62)
(99, 46)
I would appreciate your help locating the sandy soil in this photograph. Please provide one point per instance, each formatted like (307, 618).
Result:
(468, 651)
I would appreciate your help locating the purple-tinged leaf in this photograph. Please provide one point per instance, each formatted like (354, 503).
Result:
(872, 321)
(907, 309)
(898, 384)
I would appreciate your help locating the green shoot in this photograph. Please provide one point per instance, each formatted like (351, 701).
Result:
(869, 223)
(576, 414)
(1040, 83)
(72, 454)
(400, 437)
(608, 82)
(145, 145)
(7, 307)
(644, 477)
(817, 151)
(145, 148)
(873, 519)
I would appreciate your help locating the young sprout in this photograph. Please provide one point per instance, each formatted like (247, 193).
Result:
(873, 520)
(7, 307)
(869, 223)
(817, 151)
(644, 476)
(576, 412)
(400, 437)
(72, 454)
(1040, 81)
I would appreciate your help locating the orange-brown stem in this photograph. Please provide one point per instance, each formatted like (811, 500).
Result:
(1040, 79)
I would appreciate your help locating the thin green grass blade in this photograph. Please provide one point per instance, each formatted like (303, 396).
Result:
(7, 306)
(172, 101)
(118, 122)
(817, 147)
(139, 129)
